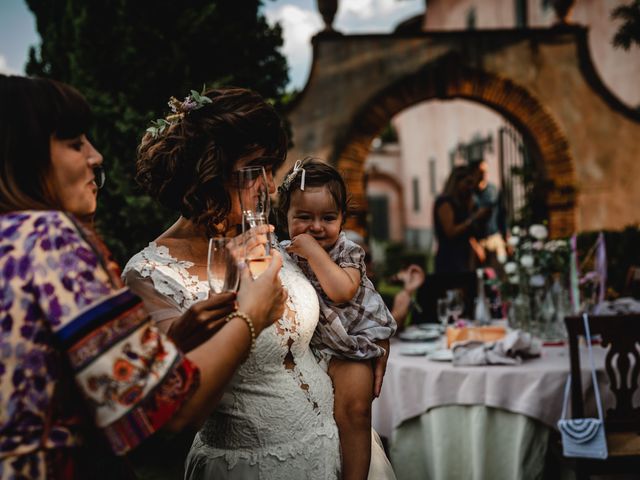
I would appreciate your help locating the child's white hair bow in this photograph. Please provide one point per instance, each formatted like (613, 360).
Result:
(297, 167)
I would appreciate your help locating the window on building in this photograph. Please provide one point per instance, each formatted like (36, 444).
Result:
(416, 194)
(471, 18)
(379, 210)
(433, 187)
(521, 13)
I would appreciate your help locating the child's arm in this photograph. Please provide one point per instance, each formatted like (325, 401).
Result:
(340, 284)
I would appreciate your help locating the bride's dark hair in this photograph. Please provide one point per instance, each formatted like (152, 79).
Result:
(188, 166)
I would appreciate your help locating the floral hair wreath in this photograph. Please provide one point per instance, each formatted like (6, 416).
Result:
(192, 102)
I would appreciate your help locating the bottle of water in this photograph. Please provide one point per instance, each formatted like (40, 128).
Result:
(482, 313)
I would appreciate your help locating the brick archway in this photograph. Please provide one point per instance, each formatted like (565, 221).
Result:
(448, 78)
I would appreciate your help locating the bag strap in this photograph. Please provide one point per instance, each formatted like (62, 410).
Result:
(565, 400)
(596, 389)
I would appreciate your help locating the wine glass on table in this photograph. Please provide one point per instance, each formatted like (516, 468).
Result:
(443, 313)
(222, 264)
(455, 304)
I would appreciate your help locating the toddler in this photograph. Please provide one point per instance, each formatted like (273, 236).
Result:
(353, 317)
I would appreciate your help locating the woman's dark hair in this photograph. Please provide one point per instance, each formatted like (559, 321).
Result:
(189, 166)
(316, 174)
(31, 111)
(457, 174)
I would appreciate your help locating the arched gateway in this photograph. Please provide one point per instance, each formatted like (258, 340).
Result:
(541, 80)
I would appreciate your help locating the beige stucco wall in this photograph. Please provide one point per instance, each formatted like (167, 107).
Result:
(431, 130)
(618, 68)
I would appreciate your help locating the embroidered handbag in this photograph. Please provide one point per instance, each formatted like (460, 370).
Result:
(583, 437)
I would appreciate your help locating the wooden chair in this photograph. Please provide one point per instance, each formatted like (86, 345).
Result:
(632, 282)
(621, 335)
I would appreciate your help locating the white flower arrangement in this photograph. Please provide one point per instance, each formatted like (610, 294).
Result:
(539, 232)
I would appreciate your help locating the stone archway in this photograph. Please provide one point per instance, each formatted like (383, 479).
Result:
(542, 80)
(447, 78)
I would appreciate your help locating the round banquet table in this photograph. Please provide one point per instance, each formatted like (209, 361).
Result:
(475, 422)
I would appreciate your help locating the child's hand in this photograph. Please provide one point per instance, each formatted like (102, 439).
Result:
(303, 245)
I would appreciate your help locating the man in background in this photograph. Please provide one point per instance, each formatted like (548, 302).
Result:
(490, 232)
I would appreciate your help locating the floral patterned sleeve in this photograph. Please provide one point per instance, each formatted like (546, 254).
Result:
(132, 377)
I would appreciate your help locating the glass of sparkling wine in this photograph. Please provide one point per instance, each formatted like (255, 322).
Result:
(258, 242)
(253, 189)
(222, 264)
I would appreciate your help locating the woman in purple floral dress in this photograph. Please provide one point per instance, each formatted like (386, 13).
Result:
(77, 350)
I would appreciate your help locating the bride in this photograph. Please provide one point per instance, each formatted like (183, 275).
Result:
(276, 419)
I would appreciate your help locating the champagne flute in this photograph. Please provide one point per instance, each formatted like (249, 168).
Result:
(257, 242)
(222, 265)
(253, 189)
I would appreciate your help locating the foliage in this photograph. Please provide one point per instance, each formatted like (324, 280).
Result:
(629, 31)
(128, 57)
(389, 134)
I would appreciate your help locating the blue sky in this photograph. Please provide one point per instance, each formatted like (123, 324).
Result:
(299, 19)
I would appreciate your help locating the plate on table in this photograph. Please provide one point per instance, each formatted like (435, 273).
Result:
(415, 350)
(418, 335)
(442, 355)
(430, 327)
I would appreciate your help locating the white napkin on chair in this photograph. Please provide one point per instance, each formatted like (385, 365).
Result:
(510, 350)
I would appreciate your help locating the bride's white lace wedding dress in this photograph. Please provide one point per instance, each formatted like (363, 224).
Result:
(275, 420)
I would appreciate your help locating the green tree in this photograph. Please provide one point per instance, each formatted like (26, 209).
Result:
(629, 31)
(128, 57)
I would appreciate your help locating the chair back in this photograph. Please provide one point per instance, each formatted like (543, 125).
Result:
(621, 335)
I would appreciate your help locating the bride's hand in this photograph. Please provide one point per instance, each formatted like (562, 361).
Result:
(201, 320)
(263, 299)
(380, 367)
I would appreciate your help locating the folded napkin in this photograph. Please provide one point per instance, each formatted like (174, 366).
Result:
(621, 306)
(481, 334)
(510, 350)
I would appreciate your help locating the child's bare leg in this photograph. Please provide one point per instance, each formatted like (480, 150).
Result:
(353, 386)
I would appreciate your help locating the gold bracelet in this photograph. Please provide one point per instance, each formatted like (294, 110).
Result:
(249, 322)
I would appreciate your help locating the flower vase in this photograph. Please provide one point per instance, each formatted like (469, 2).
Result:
(562, 308)
(520, 312)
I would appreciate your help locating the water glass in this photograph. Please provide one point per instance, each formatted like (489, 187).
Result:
(222, 264)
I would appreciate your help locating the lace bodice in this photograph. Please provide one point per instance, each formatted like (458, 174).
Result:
(170, 276)
(277, 414)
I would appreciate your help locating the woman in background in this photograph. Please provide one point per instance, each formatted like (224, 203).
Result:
(454, 215)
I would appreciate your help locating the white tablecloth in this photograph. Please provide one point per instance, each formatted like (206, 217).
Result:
(414, 385)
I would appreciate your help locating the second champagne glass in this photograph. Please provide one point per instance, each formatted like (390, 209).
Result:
(222, 265)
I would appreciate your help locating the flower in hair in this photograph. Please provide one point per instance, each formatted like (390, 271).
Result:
(297, 167)
(192, 102)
